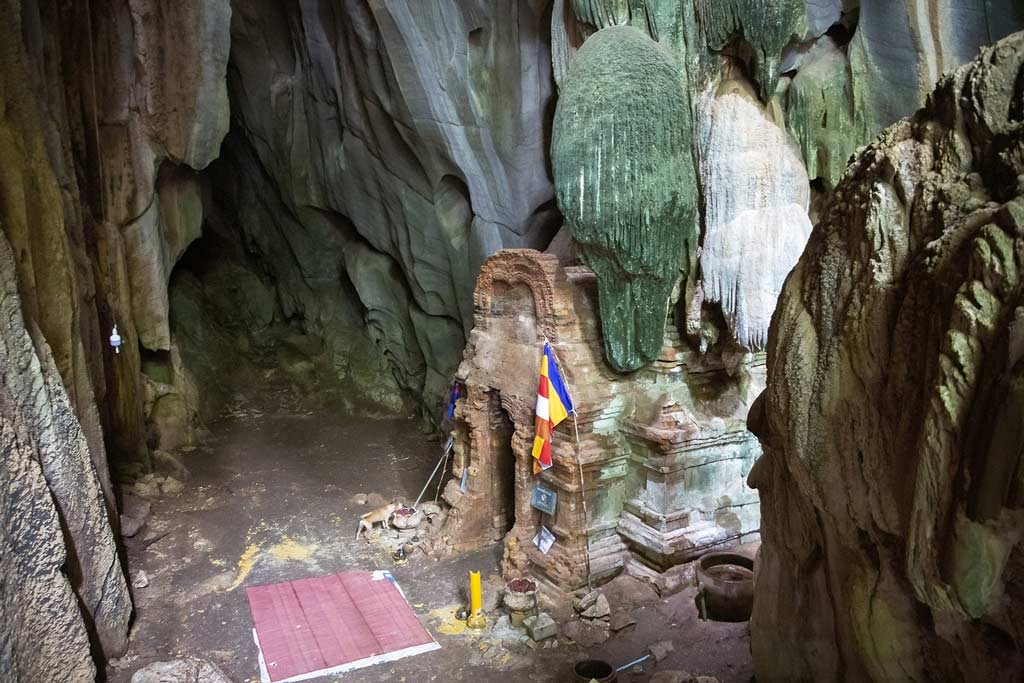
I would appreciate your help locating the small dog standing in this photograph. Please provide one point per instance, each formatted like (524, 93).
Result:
(381, 514)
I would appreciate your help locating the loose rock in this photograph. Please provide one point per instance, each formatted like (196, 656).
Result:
(171, 486)
(429, 509)
(584, 603)
(170, 464)
(599, 610)
(140, 580)
(661, 649)
(621, 620)
(215, 584)
(586, 633)
(131, 525)
(493, 591)
(626, 592)
(541, 626)
(186, 670)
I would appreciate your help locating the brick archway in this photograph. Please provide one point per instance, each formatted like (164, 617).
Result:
(539, 272)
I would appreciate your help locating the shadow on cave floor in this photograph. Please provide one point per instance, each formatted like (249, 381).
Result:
(270, 499)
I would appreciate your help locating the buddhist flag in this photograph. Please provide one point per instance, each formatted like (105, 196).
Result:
(553, 406)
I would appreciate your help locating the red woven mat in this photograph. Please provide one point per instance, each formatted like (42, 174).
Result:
(340, 622)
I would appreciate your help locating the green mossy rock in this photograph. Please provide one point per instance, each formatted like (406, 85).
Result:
(605, 13)
(625, 182)
(602, 13)
(819, 113)
(768, 25)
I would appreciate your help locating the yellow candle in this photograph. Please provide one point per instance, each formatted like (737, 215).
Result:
(476, 617)
(475, 597)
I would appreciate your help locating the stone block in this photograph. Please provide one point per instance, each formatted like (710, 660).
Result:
(541, 626)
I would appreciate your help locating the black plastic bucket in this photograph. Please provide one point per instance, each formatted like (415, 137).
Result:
(594, 670)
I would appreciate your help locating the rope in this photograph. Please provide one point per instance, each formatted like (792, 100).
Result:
(444, 468)
(431, 478)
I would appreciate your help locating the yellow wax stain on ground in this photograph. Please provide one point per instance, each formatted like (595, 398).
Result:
(288, 549)
(285, 550)
(245, 564)
(450, 625)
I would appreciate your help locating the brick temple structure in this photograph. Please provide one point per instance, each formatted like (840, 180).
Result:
(664, 451)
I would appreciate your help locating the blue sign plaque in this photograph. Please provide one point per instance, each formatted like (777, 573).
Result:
(544, 499)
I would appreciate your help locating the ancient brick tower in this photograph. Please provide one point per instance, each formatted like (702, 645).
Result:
(664, 451)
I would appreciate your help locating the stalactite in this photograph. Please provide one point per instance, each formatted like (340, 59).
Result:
(768, 25)
(819, 112)
(625, 182)
(755, 213)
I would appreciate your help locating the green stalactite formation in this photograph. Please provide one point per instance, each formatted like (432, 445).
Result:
(602, 13)
(625, 182)
(606, 13)
(819, 114)
(768, 25)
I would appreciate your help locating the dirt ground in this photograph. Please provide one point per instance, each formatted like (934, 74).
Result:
(269, 500)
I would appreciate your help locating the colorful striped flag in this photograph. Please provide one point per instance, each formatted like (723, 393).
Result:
(553, 405)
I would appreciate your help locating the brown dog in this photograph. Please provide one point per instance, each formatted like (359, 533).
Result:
(382, 514)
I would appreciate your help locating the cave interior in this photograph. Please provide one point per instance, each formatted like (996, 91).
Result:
(269, 269)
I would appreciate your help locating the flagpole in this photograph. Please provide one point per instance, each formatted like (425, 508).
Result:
(579, 463)
(583, 496)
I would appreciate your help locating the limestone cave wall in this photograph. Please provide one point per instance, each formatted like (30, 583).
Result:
(891, 482)
(351, 165)
(62, 579)
(402, 145)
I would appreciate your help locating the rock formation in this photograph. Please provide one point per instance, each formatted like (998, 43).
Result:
(832, 74)
(624, 179)
(766, 26)
(819, 111)
(405, 146)
(755, 210)
(53, 515)
(901, 48)
(891, 486)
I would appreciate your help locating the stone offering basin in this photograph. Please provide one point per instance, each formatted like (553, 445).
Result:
(520, 595)
(726, 582)
(406, 518)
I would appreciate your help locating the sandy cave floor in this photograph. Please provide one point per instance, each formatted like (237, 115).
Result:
(269, 500)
